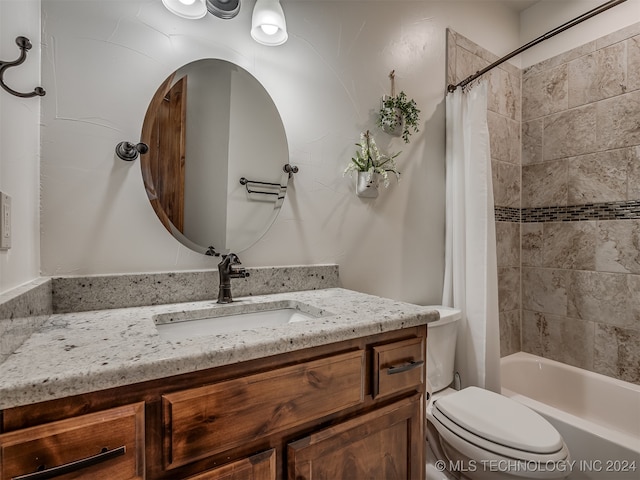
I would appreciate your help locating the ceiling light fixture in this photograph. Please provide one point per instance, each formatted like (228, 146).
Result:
(223, 8)
(191, 9)
(268, 25)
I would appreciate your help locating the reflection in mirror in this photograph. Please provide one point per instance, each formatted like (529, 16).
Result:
(210, 124)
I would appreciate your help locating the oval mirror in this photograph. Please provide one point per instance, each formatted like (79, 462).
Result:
(217, 147)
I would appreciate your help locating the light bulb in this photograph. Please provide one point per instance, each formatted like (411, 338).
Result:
(269, 29)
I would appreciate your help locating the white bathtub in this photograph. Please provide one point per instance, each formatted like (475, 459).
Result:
(598, 416)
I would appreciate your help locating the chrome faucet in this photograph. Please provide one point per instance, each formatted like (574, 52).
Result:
(226, 271)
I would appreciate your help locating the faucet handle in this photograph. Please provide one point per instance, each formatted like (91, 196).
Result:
(228, 260)
(233, 258)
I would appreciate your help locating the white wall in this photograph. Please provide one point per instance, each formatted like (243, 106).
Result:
(103, 60)
(546, 15)
(20, 142)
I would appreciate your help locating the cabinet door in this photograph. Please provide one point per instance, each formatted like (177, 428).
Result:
(261, 466)
(107, 444)
(385, 444)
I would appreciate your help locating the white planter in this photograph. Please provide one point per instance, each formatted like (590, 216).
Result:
(396, 131)
(365, 187)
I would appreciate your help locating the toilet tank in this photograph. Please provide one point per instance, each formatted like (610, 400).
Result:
(441, 347)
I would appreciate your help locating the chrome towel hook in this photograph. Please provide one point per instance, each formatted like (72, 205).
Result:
(24, 45)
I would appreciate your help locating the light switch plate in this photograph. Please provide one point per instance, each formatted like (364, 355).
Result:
(5, 221)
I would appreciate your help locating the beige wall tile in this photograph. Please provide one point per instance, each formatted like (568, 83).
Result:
(565, 57)
(451, 56)
(532, 243)
(545, 184)
(599, 75)
(618, 246)
(544, 290)
(618, 120)
(534, 329)
(509, 332)
(569, 245)
(570, 133)
(508, 288)
(633, 287)
(476, 49)
(504, 137)
(570, 341)
(504, 94)
(506, 184)
(560, 338)
(467, 63)
(600, 297)
(508, 244)
(633, 63)
(598, 177)
(532, 141)
(617, 352)
(545, 93)
(633, 173)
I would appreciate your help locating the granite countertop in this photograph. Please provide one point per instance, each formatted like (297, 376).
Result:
(75, 353)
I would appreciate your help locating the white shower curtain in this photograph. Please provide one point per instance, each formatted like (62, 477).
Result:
(471, 273)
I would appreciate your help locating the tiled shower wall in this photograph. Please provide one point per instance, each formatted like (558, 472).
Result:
(581, 206)
(463, 59)
(567, 193)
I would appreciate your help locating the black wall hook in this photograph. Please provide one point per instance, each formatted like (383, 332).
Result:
(129, 151)
(24, 45)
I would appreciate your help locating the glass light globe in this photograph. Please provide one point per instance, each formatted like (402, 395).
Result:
(269, 29)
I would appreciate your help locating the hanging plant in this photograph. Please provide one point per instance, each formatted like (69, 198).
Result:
(371, 165)
(399, 115)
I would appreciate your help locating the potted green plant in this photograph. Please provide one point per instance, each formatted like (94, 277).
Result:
(371, 166)
(398, 114)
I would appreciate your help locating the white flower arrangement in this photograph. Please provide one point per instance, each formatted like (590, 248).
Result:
(369, 159)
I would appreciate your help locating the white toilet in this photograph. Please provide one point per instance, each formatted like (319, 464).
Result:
(478, 434)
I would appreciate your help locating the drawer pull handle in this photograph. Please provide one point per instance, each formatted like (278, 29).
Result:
(74, 466)
(405, 367)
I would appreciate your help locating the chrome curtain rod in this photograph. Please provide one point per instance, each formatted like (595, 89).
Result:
(555, 31)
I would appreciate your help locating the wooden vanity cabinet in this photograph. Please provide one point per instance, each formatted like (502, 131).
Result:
(348, 410)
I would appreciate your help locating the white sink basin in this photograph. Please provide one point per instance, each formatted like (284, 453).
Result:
(232, 318)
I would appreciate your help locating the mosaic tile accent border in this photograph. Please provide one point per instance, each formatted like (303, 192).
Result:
(589, 211)
(628, 210)
(507, 214)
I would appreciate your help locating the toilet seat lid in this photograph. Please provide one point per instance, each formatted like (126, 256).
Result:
(500, 420)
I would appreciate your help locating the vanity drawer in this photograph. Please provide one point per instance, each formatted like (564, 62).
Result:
(398, 366)
(107, 444)
(204, 421)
